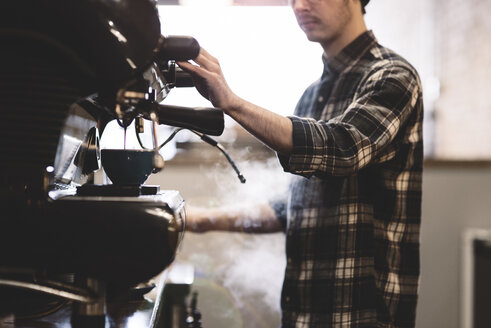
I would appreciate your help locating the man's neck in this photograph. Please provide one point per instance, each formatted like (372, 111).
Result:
(350, 33)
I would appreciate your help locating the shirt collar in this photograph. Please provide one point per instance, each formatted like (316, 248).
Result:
(350, 54)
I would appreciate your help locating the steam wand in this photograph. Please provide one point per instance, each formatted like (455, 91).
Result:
(204, 137)
(214, 143)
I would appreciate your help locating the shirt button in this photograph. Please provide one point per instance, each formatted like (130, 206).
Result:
(320, 99)
(287, 298)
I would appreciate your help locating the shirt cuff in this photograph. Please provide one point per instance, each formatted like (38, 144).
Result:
(307, 153)
(279, 207)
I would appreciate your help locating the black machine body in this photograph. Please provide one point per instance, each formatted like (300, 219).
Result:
(67, 68)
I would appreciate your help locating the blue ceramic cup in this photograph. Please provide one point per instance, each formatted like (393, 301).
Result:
(127, 166)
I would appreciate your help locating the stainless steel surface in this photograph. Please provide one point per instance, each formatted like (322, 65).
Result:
(177, 316)
(65, 291)
(96, 307)
(171, 309)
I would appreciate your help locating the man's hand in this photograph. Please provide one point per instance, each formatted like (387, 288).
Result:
(258, 218)
(271, 128)
(209, 80)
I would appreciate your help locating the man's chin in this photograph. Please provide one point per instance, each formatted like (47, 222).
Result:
(313, 37)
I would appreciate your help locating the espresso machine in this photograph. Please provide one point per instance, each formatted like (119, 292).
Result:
(68, 68)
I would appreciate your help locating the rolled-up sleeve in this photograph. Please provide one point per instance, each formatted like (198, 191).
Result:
(348, 142)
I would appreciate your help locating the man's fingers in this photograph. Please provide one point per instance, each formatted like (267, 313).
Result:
(206, 62)
(186, 66)
(192, 68)
(203, 65)
(208, 56)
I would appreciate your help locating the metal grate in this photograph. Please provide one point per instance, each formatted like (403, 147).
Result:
(36, 90)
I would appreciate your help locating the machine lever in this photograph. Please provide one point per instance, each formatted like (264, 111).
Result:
(205, 120)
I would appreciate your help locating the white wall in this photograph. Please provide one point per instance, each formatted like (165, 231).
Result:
(453, 199)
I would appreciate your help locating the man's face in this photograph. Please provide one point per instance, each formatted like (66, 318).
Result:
(322, 20)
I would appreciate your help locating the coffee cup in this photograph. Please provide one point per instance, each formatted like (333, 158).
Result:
(127, 166)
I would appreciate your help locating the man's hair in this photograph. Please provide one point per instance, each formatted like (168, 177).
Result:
(363, 4)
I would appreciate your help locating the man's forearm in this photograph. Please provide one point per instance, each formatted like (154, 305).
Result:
(254, 219)
(271, 128)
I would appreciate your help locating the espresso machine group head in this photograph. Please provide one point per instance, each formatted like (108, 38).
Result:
(68, 68)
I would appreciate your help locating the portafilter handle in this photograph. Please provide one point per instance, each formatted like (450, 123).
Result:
(205, 120)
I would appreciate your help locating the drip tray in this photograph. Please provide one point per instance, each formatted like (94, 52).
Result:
(117, 190)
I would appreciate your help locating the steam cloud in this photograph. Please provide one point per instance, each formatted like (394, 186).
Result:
(249, 266)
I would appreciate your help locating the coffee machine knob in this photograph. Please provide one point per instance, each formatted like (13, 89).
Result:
(158, 163)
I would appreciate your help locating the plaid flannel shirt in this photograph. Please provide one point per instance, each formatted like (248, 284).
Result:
(354, 210)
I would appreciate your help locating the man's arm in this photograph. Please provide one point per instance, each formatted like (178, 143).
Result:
(254, 219)
(272, 129)
(384, 115)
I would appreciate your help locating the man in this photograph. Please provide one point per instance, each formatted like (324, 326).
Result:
(355, 148)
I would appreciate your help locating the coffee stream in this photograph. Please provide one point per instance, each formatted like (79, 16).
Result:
(124, 140)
